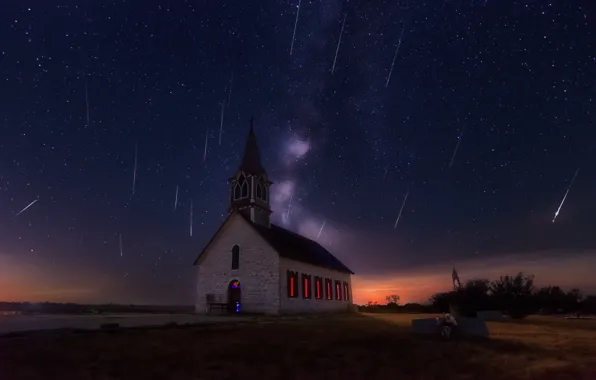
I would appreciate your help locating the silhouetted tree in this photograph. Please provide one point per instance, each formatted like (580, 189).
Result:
(588, 305)
(575, 298)
(514, 295)
(392, 301)
(471, 297)
(551, 299)
(440, 301)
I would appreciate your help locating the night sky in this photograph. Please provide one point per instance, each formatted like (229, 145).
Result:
(481, 117)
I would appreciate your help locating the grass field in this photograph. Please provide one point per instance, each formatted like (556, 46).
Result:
(351, 346)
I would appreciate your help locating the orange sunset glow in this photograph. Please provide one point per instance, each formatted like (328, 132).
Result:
(20, 281)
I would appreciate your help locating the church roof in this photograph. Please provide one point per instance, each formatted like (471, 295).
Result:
(291, 246)
(251, 161)
(297, 247)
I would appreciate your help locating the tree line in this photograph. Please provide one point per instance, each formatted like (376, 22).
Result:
(516, 296)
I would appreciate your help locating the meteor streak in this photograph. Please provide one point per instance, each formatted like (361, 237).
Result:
(87, 101)
(191, 217)
(402, 208)
(395, 55)
(457, 145)
(134, 172)
(25, 209)
(289, 208)
(230, 91)
(221, 122)
(295, 25)
(176, 199)
(565, 197)
(205, 153)
(338, 42)
(321, 230)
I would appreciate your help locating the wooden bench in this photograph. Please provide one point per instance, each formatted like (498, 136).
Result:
(213, 303)
(218, 305)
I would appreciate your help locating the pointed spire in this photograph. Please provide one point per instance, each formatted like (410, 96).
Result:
(251, 161)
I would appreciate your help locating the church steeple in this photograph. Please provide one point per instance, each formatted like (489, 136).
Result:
(251, 161)
(250, 186)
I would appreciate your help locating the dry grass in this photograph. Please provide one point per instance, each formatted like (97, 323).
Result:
(342, 346)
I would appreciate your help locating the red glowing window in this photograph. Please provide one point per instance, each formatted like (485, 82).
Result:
(346, 291)
(306, 283)
(292, 284)
(318, 288)
(329, 289)
(337, 290)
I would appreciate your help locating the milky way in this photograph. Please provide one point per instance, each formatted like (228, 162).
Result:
(82, 84)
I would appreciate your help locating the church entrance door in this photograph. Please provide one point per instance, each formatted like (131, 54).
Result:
(234, 296)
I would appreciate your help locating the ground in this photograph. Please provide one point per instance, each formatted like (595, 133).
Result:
(330, 347)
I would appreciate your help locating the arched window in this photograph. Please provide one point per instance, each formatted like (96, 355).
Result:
(259, 191)
(318, 288)
(337, 290)
(235, 257)
(245, 189)
(346, 291)
(292, 284)
(265, 193)
(236, 191)
(306, 286)
(242, 184)
(328, 289)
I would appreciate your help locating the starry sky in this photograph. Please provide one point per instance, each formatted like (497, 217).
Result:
(471, 117)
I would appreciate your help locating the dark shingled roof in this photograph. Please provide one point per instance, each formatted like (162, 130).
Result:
(297, 247)
(292, 246)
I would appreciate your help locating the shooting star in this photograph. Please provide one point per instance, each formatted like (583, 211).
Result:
(134, 171)
(386, 170)
(190, 218)
(221, 122)
(565, 197)
(295, 25)
(457, 145)
(25, 209)
(289, 208)
(205, 153)
(321, 230)
(395, 55)
(230, 91)
(120, 238)
(338, 42)
(402, 208)
(87, 101)
(176, 199)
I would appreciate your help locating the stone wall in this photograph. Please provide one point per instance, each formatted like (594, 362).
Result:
(310, 305)
(258, 271)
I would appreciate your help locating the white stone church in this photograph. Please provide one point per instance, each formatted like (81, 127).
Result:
(253, 266)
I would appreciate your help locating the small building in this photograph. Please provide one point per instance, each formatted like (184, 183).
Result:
(251, 265)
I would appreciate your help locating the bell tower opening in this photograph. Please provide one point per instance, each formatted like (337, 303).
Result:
(250, 187)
